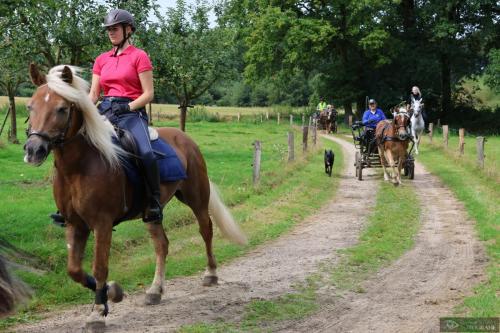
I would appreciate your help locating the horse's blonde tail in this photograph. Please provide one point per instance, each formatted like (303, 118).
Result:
(223, 218)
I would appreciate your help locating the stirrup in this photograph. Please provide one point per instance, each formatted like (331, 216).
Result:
(58, 219)
(155, 215)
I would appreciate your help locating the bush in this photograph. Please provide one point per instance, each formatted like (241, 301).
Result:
(200, 113)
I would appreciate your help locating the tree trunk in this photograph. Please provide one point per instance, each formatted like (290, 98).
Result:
(13, 120)
(347, 111)
(360, 106)
(445, 86)
(408, 13)
(184, 104)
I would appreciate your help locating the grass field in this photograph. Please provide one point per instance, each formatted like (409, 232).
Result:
(480, 193)
(164, 112)
(469, 159)
(264, 212)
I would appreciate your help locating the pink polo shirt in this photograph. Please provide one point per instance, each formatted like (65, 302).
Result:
(119, 76)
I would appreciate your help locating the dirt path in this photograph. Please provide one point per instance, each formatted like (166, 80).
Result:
(423, 285)
(266, 272)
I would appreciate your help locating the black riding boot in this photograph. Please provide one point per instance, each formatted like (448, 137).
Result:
(152, 175)
(58, 219)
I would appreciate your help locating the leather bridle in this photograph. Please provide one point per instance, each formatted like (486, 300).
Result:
(58, 140)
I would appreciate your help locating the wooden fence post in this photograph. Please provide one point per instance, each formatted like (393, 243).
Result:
(291, 149)
(305, 132)
(256, 162)
(445, 135)
(350, 121)
(461, 140)
(291, 120)
(278, 118)
(158, 115)
(267, 115)
(239, 116)
(439, 123)
(303, 119)
(261, 120)
(431, 131)
(480, 140)
(315, 132)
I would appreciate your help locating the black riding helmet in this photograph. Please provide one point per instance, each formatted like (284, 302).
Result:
(123, 17)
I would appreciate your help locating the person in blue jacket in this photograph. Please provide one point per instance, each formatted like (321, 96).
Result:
(373, 115)
(371, 118)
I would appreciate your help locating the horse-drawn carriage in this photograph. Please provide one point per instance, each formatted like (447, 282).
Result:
(367, 154)
(327, 120)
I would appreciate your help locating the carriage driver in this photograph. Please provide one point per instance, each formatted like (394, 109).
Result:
(125, 76)
(371, 118)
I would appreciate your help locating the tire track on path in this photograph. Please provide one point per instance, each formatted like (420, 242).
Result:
(446, 262)
(264, 273)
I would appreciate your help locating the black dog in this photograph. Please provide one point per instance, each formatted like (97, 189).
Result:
(329, 159)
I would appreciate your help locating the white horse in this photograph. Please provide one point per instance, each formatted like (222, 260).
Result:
(417, 121)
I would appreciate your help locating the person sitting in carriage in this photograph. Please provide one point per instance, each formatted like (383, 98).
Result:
(372, 116)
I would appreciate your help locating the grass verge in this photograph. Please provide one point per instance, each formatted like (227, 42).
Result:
(481, 197)
(390, 232)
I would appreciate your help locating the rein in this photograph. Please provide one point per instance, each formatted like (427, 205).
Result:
(60, 139)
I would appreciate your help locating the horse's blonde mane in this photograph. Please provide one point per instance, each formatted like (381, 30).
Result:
(98, 132)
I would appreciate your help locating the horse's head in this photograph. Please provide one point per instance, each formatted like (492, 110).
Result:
(416, 107)
(401, 122)
(50, 116)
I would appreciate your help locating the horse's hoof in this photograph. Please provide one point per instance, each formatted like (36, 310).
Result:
(95, 326)
(210, 281)
(396, 184)
(115, 292)
(152, 299)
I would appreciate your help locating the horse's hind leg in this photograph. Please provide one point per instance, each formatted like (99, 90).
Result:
(206, 231)
(153, 294)
(197, 196)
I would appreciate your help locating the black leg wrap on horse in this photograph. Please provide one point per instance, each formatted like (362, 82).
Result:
(90, 282)
(101, 297)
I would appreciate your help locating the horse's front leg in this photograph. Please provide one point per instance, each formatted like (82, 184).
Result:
(153, 294)
(398, 169)
(102, 248)
(390, 160)
(383, 161)
(76, 239)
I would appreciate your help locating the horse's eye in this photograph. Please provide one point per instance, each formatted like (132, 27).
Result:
(62, 110)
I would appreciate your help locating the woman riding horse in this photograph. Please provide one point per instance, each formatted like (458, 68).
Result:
(124, 74)
(91, 188)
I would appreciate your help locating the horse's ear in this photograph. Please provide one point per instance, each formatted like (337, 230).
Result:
(67, 75)
(36, 77)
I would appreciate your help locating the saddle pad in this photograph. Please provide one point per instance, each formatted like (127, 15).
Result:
(170, 167)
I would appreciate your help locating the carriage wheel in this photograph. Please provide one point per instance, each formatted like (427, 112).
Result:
(411, 171)
(405, 169)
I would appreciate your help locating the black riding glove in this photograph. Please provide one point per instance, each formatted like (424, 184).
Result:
(120, 108)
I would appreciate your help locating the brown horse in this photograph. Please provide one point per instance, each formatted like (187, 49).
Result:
(91, 189)
(392, 142)
(12, 291)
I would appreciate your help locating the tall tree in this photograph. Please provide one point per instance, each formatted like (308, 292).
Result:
(189, 55)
